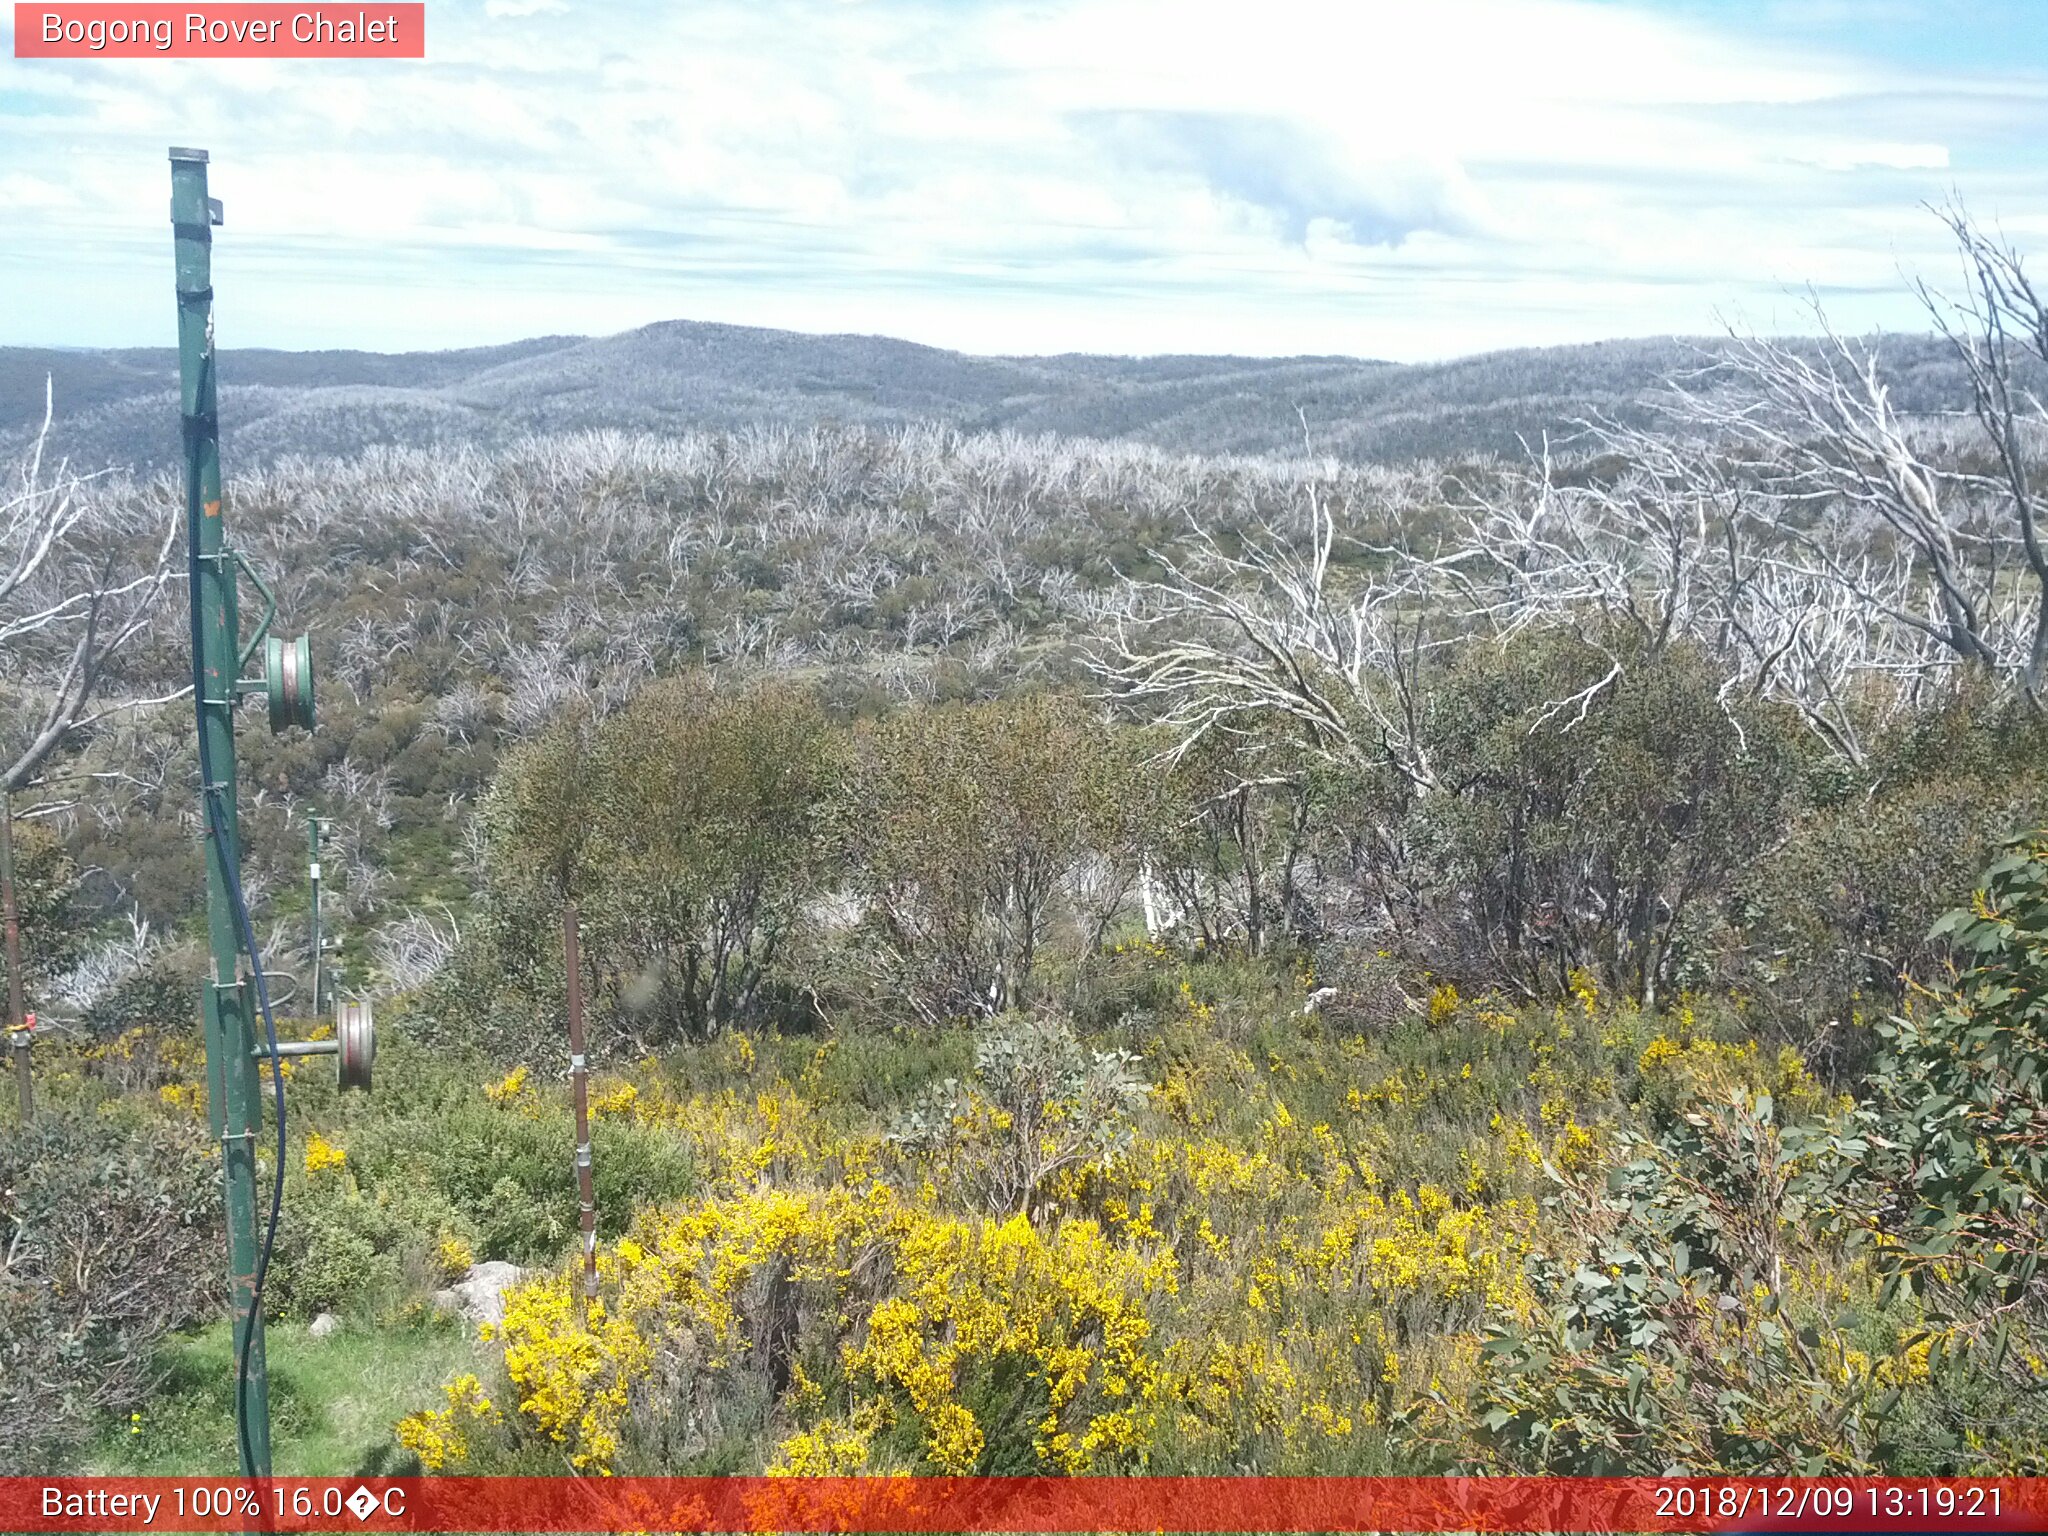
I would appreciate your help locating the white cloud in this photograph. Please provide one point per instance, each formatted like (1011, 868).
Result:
(1323, 175)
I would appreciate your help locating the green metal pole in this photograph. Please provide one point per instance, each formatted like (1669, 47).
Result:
(313, 842)
(227, 1003)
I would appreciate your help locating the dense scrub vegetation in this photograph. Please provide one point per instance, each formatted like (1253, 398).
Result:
(1217, 1229)
(916, 1149)
(1100, 961)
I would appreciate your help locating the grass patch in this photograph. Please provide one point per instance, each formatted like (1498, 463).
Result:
(332, 1401)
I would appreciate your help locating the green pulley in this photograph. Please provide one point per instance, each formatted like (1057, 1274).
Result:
(288, 681)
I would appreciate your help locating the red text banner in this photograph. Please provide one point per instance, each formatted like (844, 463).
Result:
(1020, 1504)
(260, 30)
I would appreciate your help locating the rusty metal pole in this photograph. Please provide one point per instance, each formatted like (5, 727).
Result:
(579, 1081)
(17, 1026)
(313, 843)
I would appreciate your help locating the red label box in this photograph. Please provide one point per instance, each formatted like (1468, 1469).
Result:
(919, 1506)
(262, 30)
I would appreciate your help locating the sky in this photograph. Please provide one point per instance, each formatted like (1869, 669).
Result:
(1408, 179)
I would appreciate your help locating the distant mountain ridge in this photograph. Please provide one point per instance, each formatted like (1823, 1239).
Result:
(118, 407)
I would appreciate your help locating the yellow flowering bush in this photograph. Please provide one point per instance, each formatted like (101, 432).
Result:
(966, 1299)
(508, 1087)
(831, 1448)
(441, 1436)
(613, 1099)
(1297, 1239)
(1681, 1071)
(454, 1254)
(1123, 1327)
(322, 1155)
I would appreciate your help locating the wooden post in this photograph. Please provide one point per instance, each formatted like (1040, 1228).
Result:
(579, 1081)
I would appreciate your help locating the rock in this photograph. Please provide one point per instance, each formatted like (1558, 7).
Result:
(480, 1295)
(324, 1325)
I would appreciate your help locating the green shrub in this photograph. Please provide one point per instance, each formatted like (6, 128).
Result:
(351, 1240)
(688, 829)
(48, 906)
(1667, 1338)
(1664, 1341)
(975, 835)
(433, 1156)
(1836, 922)
(162, 997)
(1602, 834)
(706, 847)
(1038, 1103)
(114, 1241)
(1952, 1206)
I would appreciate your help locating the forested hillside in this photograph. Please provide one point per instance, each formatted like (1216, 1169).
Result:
(1100, 958)
(118, 407)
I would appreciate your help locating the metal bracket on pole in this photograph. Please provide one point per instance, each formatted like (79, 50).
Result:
(263, 624)
(287, 677)
(22, 1037)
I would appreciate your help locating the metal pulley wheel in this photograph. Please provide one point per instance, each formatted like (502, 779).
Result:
(357, 1039)
(288, 681)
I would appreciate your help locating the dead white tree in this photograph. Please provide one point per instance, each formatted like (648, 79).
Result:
(1836, 551)
(410, 951)
(107, 964)
(1639, 545)
(1817, 645)
(1231, 638)
(1839, 462)
(78, 584)
(1663, 535)
(1934, 532)
(1998, 329)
